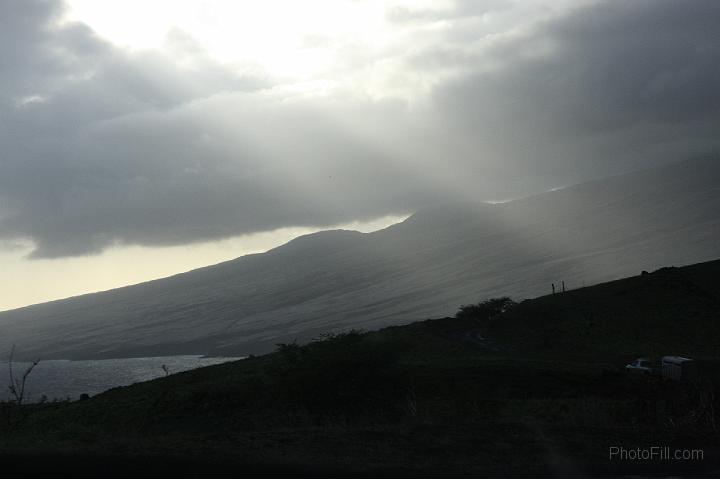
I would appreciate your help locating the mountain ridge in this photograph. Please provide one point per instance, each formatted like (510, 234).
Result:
(424, 266)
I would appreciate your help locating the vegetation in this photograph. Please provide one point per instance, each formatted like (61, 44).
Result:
(12, 410)
(341, 373)
(429, 398)
(486, 310)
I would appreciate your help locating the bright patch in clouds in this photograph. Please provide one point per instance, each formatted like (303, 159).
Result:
(294, 40)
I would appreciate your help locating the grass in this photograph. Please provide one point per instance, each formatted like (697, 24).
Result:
(451, 397)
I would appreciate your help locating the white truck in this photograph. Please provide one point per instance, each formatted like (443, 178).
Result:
(678, 368)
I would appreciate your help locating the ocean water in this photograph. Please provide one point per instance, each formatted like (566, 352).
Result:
(64, 379)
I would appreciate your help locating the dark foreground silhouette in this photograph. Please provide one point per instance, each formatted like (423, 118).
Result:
(533, 389)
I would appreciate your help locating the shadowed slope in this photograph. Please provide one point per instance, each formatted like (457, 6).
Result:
(672, 311)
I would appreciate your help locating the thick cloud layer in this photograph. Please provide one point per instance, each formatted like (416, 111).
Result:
(610, 87)
(102, 146)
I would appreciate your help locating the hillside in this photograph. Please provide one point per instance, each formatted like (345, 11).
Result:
(437, 398)
(424, 267)
(669, 311)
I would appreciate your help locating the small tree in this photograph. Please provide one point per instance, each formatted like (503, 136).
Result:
(17, 384)
(17, 392)
(486, 310)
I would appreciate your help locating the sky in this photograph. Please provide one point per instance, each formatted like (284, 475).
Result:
(141, 139)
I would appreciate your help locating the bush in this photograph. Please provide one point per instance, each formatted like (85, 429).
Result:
(486, 310)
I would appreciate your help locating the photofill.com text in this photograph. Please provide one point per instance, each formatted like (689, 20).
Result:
(655, 453)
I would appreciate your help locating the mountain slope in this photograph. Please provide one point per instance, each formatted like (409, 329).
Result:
(426, 266)
(428, 399)
(669, 311)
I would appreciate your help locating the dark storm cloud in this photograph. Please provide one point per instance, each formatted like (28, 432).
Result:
(608, 87)
(103, 146)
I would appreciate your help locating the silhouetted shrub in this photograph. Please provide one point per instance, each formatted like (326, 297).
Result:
(485, 310)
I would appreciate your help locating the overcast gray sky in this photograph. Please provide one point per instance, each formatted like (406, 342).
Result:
(157, 125)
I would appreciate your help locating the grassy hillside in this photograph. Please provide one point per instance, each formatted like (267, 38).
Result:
(669, 311)
(537, 391)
